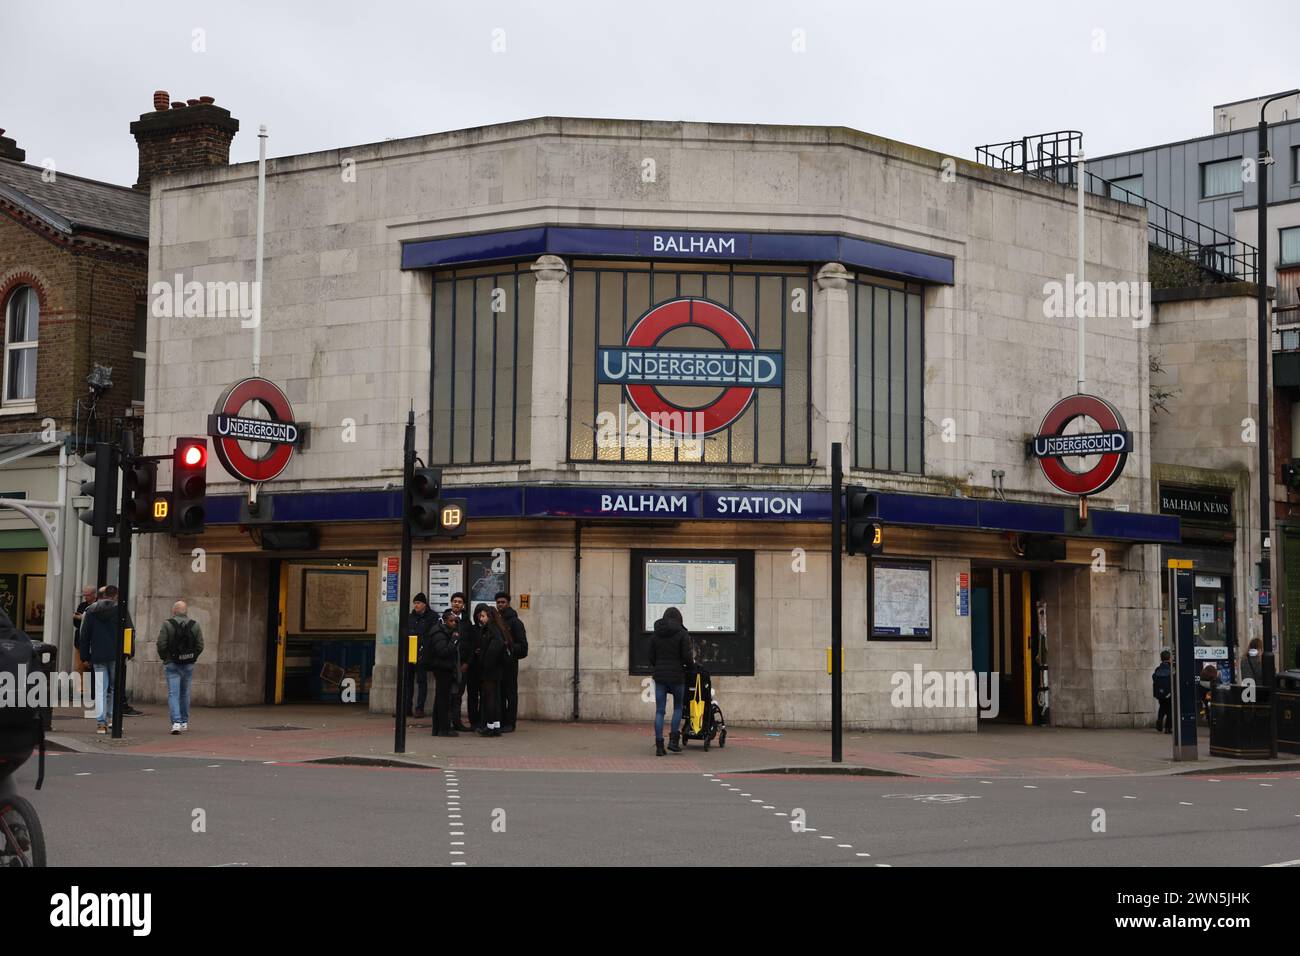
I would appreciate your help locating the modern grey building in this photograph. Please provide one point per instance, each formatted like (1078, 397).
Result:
(1214, 180)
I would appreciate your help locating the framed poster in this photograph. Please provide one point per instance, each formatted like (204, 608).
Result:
(487, 576)
(33, 603)
(9, 597)
(445, 579)
(479, 575)
(899, 601)
(704, 590)
(335, 599)
(714, 590)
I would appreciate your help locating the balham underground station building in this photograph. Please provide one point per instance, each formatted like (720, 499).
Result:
(630, 346)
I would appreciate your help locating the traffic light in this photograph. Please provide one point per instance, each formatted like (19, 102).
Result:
(425, 518)
(862, 533)
(141, 491)
(103, 488)
(189, 485)
(452, 517)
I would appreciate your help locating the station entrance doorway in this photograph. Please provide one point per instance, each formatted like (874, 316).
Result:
(1008, 641)
(321, 626)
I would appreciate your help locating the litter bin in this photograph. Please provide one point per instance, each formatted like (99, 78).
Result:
(1239, 728)
(1288, 711)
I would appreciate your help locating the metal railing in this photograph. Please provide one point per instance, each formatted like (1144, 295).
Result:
(1054, 157)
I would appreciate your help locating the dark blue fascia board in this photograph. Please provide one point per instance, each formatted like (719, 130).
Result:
(543, 501)
(813, 248)
(1129, 525)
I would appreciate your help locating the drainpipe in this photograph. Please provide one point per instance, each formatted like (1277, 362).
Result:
(577, 612)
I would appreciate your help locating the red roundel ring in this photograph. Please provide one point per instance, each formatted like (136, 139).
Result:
(235, 460)
(680, 313)
(1101, 475)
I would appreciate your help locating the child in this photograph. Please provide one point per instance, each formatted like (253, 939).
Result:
(1161, 690)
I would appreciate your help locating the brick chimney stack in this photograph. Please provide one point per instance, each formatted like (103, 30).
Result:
(9, 149)
(179, 136)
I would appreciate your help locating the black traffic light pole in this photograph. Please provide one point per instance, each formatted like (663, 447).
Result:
(837, 608)
(404, 587)
(1265, 349)
(123, 582)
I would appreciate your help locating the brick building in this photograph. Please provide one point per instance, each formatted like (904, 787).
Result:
(73, 293)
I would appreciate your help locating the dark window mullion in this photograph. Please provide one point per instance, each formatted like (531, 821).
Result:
(492, 445)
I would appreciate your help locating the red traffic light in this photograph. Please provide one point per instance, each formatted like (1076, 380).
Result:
(193, 456)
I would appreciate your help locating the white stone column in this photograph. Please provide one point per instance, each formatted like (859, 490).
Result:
(550, 363)
(832, 365)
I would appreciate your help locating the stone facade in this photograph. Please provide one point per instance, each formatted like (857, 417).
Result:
(346, 334)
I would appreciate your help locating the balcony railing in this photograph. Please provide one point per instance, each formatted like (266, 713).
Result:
(1054, 157)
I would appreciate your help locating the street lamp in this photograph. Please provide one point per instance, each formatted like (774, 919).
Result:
(1265, 346)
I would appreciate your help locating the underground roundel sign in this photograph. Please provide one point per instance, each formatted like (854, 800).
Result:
(277, 431)
(645, 364)
(1111, 445)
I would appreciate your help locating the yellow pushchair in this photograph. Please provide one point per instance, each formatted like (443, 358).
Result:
(702, 718)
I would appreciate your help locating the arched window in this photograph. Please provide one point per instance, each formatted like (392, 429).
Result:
(22, 317)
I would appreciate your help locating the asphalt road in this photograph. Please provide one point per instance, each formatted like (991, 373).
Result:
(115, 810)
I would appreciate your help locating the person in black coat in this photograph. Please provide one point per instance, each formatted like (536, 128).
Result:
(420, 623)
(444, 660)
(517, 641)
(1162, 691)
(460, 689)
(98, 637)
(493, 652)
(670, 652)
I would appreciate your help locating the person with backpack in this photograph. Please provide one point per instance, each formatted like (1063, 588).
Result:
(180, 642)
(493, 652)
(1162, 691)
(517, 643)
(670, 652)
(443, 658)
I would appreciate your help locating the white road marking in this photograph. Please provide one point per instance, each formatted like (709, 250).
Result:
(1127, 797)
(845, 846)
(457, 842)
(862, 854)
(459, 863)
(1078, 791)
(85, 773)
(1286, 862)
(826, 838)
(1184, 803)
(768, 806)
(147, 770)
(1030, 786)
(1241, 809)
(214, 765)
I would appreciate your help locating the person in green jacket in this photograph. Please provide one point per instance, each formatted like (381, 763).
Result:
(180, 642)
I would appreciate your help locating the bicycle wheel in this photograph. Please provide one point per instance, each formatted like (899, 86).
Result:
(24, 840)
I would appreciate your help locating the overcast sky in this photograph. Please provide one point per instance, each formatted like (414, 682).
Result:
(945, 75)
